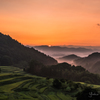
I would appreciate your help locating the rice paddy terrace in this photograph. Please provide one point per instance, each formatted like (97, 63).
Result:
(18, 85)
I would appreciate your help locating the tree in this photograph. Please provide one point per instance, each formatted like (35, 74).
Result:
(35, 67)
(6, 61)
(68, 89)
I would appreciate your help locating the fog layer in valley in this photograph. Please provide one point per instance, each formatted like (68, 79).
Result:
(62, 51)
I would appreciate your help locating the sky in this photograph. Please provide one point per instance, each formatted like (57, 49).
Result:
(51, 22)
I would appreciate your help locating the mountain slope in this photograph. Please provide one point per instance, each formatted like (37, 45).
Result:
(89, 62)
(96, 67)
(17, 53)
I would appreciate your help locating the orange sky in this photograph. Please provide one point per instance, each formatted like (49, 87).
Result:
(51, 22)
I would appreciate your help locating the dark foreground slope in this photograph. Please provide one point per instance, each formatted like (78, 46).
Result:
(13, 52)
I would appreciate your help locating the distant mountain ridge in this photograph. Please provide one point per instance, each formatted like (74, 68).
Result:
(18, 53)
(62, 49)
(70, 57)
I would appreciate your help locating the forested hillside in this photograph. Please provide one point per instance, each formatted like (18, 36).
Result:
(65, 71)
(12, 52)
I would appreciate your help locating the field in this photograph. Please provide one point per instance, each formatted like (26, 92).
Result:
(18, 85)
(92, 85)
(15, 84)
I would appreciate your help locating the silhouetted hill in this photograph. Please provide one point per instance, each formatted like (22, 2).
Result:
(13, 52)
(70, 57)
(89, 62)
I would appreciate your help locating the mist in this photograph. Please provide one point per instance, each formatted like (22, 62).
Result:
(61, 51)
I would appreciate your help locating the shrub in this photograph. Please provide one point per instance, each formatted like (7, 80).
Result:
(56, 84)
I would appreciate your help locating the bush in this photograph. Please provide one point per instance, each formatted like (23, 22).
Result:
(56, 84)
(68, 89)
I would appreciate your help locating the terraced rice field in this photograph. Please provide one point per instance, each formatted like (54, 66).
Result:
(17, 85)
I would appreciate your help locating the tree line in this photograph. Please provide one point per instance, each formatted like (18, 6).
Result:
(63, 71)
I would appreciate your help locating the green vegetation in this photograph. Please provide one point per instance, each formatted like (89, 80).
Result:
(18, 85)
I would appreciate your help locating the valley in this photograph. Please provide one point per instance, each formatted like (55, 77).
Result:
(28, 74)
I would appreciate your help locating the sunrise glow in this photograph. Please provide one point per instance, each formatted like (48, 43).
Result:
(51, 22)
(49, 45)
